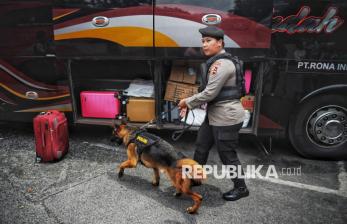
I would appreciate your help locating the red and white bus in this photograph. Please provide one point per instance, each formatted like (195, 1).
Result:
(50, 51)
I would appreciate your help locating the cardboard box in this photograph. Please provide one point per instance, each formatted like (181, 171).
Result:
(180, 74)
(176, 91)
(140, 109)
(248, 102)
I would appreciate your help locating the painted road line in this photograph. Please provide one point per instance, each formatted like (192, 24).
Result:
(342, 180)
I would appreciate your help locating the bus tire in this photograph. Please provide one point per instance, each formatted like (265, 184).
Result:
(319, 128)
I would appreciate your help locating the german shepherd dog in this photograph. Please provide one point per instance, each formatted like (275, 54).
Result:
(161, 156)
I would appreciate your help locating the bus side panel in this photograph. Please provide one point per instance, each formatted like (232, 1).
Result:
(120, 29)
(305, 58)
(177, 24)
(31, 79)
(31, 85)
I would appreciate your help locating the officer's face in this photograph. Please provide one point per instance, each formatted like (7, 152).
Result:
(211, 46)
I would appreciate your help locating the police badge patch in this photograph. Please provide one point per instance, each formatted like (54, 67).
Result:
(214, 68)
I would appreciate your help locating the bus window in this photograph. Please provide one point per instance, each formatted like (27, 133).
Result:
(26, 28)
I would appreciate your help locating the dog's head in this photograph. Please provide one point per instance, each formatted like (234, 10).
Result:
(120, 131)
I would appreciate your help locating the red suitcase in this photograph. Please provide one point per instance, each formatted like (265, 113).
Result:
(51, 136)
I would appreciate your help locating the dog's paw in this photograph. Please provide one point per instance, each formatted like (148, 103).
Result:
(177, 194)
(120, 173)
(155, 183)
(191, 210)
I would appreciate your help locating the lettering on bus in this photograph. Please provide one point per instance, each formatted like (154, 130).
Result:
(321, 66)
(302, 22)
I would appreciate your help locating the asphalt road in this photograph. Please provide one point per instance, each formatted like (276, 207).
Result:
(84, 188)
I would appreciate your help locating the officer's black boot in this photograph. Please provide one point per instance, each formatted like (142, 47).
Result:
(239, 191)
(235, 194)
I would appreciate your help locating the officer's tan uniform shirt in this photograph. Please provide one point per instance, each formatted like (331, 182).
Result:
(223, 113)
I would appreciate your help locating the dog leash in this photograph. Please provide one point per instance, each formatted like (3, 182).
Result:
(151, 121)
(156, 118)
(178, 134)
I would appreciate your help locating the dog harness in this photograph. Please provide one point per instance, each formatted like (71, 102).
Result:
(142, 139)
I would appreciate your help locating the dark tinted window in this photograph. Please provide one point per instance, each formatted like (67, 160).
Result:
(24, 14)
(26, 28)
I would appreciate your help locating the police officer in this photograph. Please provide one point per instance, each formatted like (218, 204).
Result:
(225, 113)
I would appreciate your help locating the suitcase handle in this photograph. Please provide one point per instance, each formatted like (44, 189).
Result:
(43, 136)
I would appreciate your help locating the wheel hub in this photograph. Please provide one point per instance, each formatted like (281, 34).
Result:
(328, 126)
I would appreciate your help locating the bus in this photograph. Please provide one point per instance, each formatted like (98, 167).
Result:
(51, 51)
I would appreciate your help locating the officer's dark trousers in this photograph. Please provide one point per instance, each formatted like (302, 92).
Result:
(226, 139)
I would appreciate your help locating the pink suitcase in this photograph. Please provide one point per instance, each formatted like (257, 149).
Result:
(100, 104)
(248, 79)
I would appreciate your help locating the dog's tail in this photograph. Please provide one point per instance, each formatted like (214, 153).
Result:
(191, 169)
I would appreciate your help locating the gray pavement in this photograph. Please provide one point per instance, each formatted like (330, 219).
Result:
(84, 188)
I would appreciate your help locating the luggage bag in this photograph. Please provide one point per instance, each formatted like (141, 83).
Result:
(51, 136)
(100, 104)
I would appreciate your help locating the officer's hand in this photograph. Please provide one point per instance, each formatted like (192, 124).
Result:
(183, 112)
(182, 104)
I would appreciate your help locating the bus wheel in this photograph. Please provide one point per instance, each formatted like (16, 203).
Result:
(319, 128)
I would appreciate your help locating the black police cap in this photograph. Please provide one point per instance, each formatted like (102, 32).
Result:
(212, 31)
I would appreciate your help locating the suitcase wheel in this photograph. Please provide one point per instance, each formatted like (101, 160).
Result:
(38, 159)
